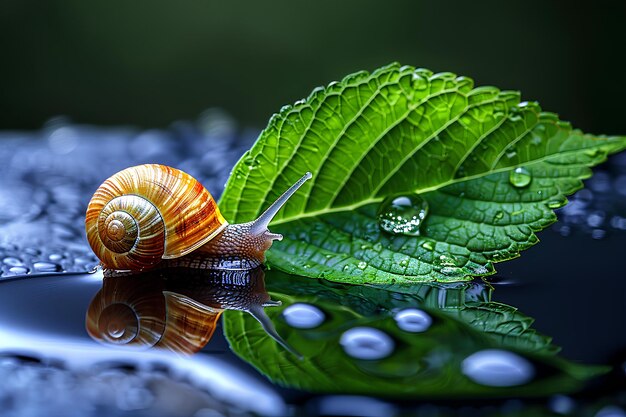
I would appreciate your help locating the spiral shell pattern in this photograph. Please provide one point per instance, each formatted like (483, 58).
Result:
(147, 213)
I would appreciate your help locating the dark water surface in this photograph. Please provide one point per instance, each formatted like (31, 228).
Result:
(434, 350)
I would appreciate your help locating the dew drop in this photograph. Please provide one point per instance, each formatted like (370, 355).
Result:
(46, 267)
(362, 265)
(520, 177)
(413, 320)
(366, 343)
(55, 257)
(419, 83)
(12, 261)
(18, 270)
(611, 411)
(452, 271)
(497, 368)
(303, 316)
(404, 262)
(403, 214)
(428, 245)
(598, 234)
(555, 204)
(445, 260)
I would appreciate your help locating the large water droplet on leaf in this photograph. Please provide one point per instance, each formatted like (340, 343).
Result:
(520, 177)
(403, 214)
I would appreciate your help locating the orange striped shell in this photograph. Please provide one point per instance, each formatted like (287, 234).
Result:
(147, 213)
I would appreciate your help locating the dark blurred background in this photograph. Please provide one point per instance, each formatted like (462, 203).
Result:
(148, 63)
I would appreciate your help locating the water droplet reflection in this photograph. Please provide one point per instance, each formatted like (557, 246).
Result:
(497, 368)
(303, 316)
(413, 320)
(403, 214)
(520, 177)
(366, 343)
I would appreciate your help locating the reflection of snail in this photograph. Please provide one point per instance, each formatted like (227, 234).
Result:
(175, 308)
(149, 213)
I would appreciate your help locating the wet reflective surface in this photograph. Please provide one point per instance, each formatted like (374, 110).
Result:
(78, 344)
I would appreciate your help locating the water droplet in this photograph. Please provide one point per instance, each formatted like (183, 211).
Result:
(403, 214)
(452, 271)
(18, 270)
(413, 320)
(596, 219)
(520, 177)
(536, 140)
(303, 316)
(561, 404)
(419, 82)
(46, 267)
(611, 411)
(12, 261)
(404, 262)
(428, 245)
(445, 260)
(366, 343)
(497, 368)
(55, 257)
(511, 154)
(498, 215)
(362, 265)
(598, 234)
(555, 204)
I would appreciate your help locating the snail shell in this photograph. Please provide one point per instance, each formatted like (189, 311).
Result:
(147, 213)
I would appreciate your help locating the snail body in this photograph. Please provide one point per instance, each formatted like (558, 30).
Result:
(154, 215)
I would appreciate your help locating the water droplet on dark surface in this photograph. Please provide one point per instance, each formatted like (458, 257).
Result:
(520, 177)
(413, 320)
(598, 234)
(497, 368)
(403, 214)
(47, 267)
(611, 411)
(19, 270)
(55, 257)
(561, 404)
(303, 316)
(366, 343)
(12, 261)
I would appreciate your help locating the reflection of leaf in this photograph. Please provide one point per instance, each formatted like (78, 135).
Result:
(424, 364)
(404, 130)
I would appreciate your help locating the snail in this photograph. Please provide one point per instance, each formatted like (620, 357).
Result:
(151, 213)
(175, 309)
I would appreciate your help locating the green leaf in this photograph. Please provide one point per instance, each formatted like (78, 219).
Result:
(399, 131)
(426, 364)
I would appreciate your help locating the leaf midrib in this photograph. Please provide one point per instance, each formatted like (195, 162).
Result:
(436, 187)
